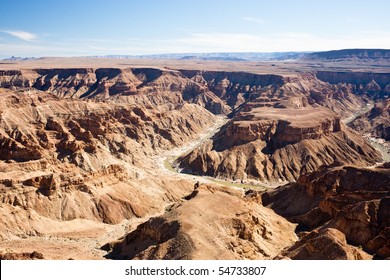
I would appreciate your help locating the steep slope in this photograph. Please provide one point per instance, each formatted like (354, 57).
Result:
(272, 144)
(354, 201)
(373, 85)
(279, 128)
(376, 122)
(324, 244)
(147, 86)
(76, 163)
(210, 223)
(62, 160)
(216, 91)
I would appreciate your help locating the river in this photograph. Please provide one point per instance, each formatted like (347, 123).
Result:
(378, 143)
(166, 160)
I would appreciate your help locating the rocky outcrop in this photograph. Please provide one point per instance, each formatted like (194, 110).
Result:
(120, 85)
(214, 224)
(79, 149)
(352, 200)
(324, 244)
(373, 84)
(158, 238)
(21, 256)
(376, 122)
(218, 91)
(72, 159)
(272, 144)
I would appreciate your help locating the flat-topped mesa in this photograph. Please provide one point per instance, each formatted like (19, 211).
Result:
(273, 144)
(354, 55)
(282, 126)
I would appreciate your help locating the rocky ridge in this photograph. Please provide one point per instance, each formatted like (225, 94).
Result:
(76, 146)
(271, 144)
(350, 55)
(63, 160)
(376, 122)
(210, 223)
(345, 202)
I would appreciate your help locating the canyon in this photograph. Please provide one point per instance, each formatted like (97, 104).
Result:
(79, 177)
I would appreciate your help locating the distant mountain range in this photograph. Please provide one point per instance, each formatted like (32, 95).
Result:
(225, 56)
(335, 55)
(18, 58)
(349, 54)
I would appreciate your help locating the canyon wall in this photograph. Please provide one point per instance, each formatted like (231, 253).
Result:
(353, 202)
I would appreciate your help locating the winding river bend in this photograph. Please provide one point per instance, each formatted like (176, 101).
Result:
(166, 160)
(377, 143)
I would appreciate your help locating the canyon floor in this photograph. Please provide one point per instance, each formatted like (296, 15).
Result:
(169, 159)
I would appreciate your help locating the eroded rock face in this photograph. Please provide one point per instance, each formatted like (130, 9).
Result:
(324, 244)
(219, 92)
(71, 167)
(374, 84)
(120, 85)
(21, 256)
(280, 132)
(376, 122)
(352, 200)
(70, 159)
(273, 144)
(214, 223)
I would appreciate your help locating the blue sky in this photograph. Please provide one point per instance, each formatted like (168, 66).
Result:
(97, 27)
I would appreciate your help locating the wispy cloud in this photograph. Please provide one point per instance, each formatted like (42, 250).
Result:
(257, 20)
(197, 42)
(23, 35)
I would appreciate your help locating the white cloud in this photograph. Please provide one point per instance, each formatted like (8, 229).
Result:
(257, 20)
(23, 35)
(199, 42)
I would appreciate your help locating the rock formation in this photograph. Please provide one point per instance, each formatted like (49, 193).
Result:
(82, 152)
(214, 223)
(272, 144)
(376, 122)
(324, 244)
(71, 159)
(355, 201)
(152, 87)
(21, 256)
(361, 83)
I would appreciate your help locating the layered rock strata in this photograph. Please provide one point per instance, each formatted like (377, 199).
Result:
(272, 144)
(351, 200)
